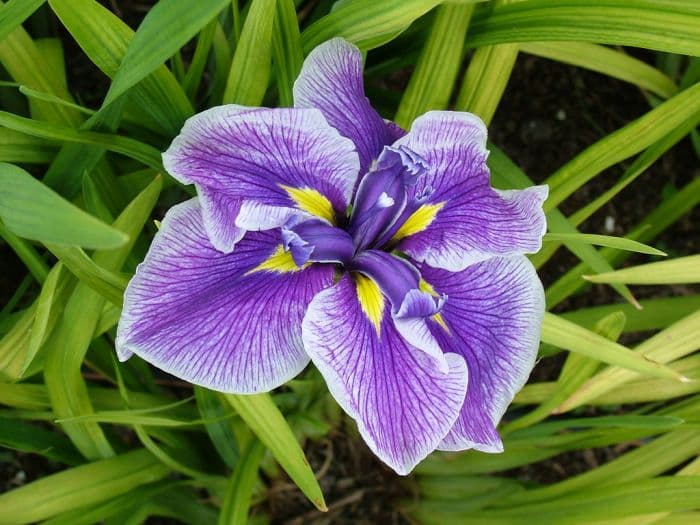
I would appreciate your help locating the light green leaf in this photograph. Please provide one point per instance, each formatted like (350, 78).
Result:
(68, 344)
(608, 61)
(683, 270)
(569, 336)
(79, 486)
(287, 52)
(604, 240)
(104, 38)
(14, 12)
(485, 80)
(144, 153)
(167, 26)
(621, 144)
(236, 505)
(661, 25)
(676, 341)
(31, 210)
(432, 81)
(250, 68)
(264, 418)
(366, 23)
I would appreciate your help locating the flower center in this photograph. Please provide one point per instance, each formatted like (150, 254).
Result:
(384, 209)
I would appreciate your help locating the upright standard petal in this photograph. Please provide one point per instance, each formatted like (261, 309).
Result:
(230, 322)
(254, 168)
(402, 403)
(493, 319)
(331, 80)
(463, 220)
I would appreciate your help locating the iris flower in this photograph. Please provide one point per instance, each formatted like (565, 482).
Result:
(325, 233)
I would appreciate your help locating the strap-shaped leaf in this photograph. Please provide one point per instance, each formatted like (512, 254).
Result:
(168, 26)
(267, 422)
(250, 67)
(663, 25)
(79, 486)
(33, 211)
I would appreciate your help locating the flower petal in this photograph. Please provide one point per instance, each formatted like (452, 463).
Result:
(464, 220)
(230, 322)
(246, 162)
(331, 80)
(494, 315)
(402, 403)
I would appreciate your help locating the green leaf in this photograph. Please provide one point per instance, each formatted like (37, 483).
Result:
(167, 26)
(139, 151)
(593, 505)
(108, 284)
(212, 409)
(264, 418)
(621, 144)
(287, 53)
(683, 270)
(664, 215)
(14, 13)
(569, 336)
(607, 61)
(236, 505)
(250, 68)
(79, 486)
(661, 25)
(486, 79)
(33, 211)
(18, 147)
(18, 435)
(678, 340)
(604, 240)
(70, 340)
(194, 75)
(28, 64)
(432, 81)
(366, 23)
(104, 38)
(506, 175)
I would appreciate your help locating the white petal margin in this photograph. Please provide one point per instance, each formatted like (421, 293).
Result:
(474, 221)
(402, 403)
(331, 80)
(203, 316)
(494, 315)
(235, 154)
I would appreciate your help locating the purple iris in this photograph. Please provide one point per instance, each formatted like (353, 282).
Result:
(324, 233)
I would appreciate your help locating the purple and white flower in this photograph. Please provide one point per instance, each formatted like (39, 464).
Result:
(324, 233)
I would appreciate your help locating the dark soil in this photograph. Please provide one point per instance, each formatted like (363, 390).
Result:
(550, 113)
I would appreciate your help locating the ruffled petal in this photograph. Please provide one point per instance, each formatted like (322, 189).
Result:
(401, 401)
(331, 80)
(229, 322)
(256, 167)
(463, 220)
(493, 317)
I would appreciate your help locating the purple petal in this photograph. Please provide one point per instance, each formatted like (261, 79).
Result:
(317, 241)
(209, 317)
(494, 316)
(331, 80)
(402, 403)
(399, 281)
(256, 167)
(468, 221)
(383, 194)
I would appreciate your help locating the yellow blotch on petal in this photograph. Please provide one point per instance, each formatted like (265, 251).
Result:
(279, 262)
(311, 201)
(418, 221)
(371, 300)
(426, 287)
